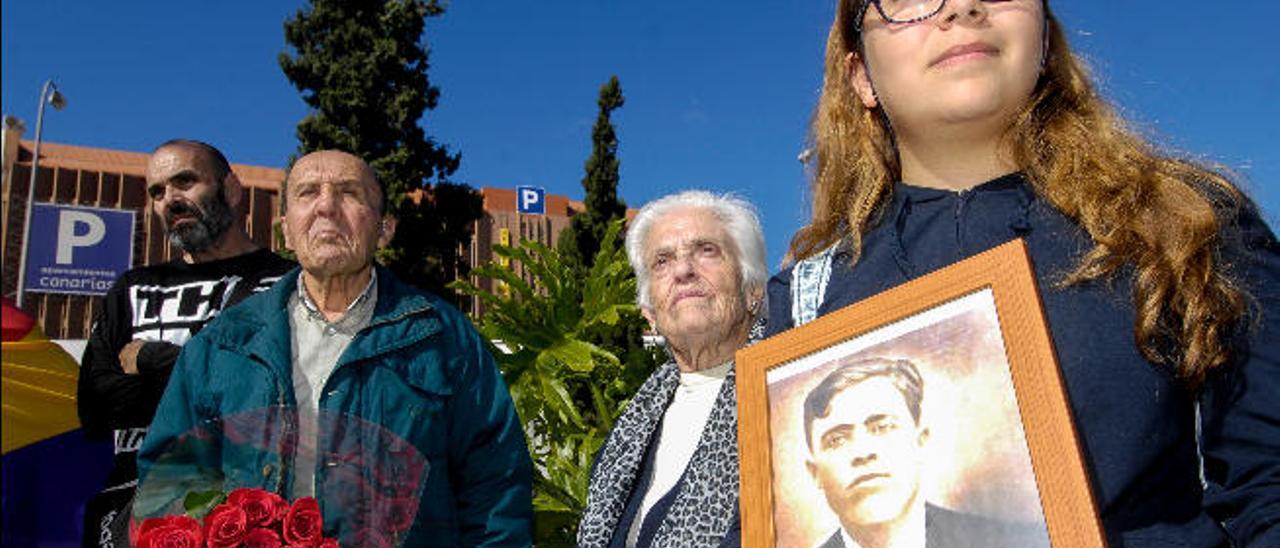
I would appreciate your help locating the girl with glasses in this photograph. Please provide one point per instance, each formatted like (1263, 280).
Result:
(947, 127)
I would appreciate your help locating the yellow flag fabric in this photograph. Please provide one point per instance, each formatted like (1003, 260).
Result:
(39, 391)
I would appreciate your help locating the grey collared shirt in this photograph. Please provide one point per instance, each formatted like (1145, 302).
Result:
(317, 344)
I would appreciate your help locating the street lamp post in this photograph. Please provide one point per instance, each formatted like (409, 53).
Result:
(48, 94)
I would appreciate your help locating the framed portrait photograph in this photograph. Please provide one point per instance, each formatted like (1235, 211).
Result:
(932, 413)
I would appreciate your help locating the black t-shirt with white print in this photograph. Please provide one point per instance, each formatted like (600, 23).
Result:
(165, 305)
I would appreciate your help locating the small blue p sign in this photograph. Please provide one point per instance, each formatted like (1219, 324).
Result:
(531, 199)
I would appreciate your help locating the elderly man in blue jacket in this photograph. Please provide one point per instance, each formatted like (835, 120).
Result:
(345, 384)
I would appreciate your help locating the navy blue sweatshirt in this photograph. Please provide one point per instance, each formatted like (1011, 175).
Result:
(1136, 420)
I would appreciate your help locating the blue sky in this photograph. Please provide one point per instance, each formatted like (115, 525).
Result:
(718, 93)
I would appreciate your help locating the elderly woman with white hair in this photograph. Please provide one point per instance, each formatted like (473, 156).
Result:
(668, 473)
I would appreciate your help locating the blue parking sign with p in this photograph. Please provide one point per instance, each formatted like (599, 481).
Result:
(77, 250)
(531, 199)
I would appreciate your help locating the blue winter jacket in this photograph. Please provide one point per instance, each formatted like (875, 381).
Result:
(419, 370)
(1145, 434)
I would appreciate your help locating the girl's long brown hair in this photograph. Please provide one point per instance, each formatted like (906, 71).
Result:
(1146, 212)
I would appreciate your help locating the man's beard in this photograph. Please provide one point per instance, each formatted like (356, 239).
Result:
(211, 221)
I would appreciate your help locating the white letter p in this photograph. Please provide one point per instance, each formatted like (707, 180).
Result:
(68, 240)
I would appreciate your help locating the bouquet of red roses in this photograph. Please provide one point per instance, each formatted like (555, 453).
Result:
(251, 518)
(368, 480)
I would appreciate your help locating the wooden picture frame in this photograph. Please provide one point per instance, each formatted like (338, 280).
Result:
(961, 318)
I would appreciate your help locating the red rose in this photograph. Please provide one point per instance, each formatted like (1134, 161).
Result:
(226, 525)
(261, 538)
(262, 508)
(303, 524)
(170, 532)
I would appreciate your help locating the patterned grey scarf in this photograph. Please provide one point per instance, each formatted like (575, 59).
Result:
(706, 503)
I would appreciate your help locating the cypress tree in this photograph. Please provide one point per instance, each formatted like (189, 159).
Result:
(581, 240)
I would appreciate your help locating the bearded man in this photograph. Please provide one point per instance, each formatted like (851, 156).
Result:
(151, 311)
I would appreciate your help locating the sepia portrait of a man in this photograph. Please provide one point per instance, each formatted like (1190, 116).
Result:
(907, 436)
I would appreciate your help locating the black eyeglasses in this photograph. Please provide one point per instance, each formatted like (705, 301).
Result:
(904, 11)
